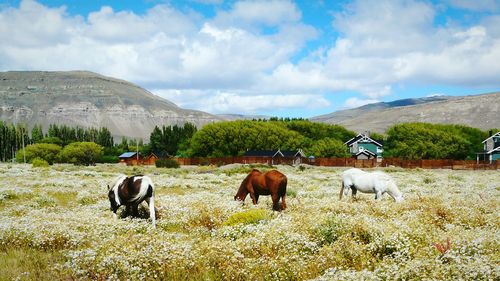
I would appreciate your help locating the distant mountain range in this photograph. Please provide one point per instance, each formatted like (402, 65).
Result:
(80, 98)
(480, 111)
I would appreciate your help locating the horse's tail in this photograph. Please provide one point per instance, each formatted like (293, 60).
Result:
(282, 189)
(151, 203)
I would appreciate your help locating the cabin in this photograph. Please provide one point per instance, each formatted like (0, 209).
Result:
(364, 147)
(130, 158)
(272, 157)
(491, 150)
(150, 159)
(296, 156)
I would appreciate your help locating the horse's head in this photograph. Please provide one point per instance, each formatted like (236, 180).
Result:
(241, 194)
(112, 200)
(394, 192)
(243, 190)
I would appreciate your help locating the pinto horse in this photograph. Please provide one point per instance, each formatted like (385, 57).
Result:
(376, 182)
(271, 183)
(131, 191)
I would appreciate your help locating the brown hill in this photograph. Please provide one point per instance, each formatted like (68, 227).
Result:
(480, 111)
(87, 99)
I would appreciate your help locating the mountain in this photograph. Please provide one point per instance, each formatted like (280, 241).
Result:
(480, 111)
(233, 117)
(86, 99)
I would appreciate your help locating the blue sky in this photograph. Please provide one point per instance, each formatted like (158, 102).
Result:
(274, 57)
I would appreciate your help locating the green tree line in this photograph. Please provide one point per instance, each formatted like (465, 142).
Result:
(233, 138)
(12, 138)
(172, 140)
(433, 141)
(405, 140)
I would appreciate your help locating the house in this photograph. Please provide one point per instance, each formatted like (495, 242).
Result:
(130, 158)
(150, 159)
(364, 147)
(292, 157)
(491, 148)
(295, 155)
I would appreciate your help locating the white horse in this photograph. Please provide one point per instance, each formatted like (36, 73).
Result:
(131, 191)
(376, 182)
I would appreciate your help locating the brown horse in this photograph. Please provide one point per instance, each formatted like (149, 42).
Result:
(271, 183)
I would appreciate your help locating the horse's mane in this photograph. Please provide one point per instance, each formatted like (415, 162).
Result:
(116, 181)
(245, 181)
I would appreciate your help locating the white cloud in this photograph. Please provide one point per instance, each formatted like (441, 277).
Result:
(208, 2)
(261, 12)
(248, 52)
(477, 5)
(385, 43)
(240, 103)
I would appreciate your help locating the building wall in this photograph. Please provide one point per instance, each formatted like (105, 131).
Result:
(495, 156)
(369, 146)
(488, 145)
(362, 157)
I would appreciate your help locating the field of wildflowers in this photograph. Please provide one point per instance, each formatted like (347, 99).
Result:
(55, 223)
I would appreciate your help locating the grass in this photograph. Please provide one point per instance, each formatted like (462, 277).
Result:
(247, 217)
(55, 223)
(30, 264)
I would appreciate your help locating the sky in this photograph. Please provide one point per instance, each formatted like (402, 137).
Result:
(275, 57)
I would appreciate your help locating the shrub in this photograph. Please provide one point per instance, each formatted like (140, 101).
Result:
(248, 217)
(39, 162)
(291, 193)
(46, 151)
(109, 159)
(81, 153)
(330, 231)
(166, 163)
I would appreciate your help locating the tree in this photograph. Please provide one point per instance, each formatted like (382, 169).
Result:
(82, 153)
(328, 147)
(170, 138)
(36, 133)
(232, 138)
(433, 141)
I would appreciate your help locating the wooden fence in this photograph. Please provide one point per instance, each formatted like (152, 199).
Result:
(347, 162)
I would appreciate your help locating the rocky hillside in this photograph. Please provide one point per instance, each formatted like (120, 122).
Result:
(89, 100)
(480, 111)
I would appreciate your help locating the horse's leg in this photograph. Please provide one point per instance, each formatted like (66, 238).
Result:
(378, 195)
(283, 202)
(256, 198)
(128, 210)
(276, 200)
(135, 210)
(152, 214)
(354, 191)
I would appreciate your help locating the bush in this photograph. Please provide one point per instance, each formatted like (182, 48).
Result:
(248, 217)
(46, 151)
(109, 159)
(81, 153)
(166, 163)
(39, 162)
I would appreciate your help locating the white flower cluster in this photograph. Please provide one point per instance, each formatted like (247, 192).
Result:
(448, 227)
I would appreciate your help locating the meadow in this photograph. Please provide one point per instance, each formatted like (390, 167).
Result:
(55, 223)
